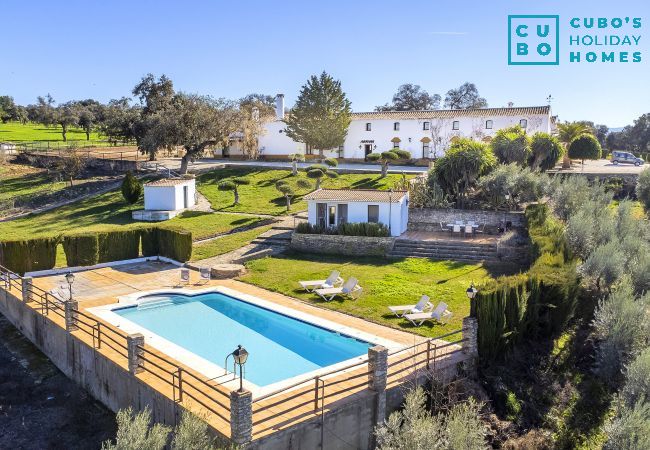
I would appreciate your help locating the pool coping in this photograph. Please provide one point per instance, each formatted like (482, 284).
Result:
(214, 371)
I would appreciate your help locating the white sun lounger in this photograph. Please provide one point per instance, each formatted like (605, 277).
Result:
(441, 314)
(333, 280)
(350, 289)
(423, 305)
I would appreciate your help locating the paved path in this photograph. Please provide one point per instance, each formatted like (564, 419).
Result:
(601, 167)
(207, 164)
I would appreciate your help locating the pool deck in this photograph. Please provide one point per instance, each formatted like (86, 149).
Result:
(102, 286)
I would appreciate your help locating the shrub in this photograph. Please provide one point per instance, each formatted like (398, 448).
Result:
(585, 147)
(643, 189)
(546, 151)
(192, 434)
(521, 184)
(637, 381)
(511, 145)
(29, 255)
(175, 243)
(149, 241)
(81, 249)
(131, 188)
(630, 430)
(622, 323)
(136, 432)
(346, 229)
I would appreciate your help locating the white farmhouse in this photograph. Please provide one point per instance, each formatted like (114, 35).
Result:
(166, 198)
(331, 207)
(425, 134)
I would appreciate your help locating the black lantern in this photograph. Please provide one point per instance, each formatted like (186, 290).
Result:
(471, 291)
(240, 355)
(69, 277)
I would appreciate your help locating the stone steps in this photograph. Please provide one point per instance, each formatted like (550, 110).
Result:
(444, 250)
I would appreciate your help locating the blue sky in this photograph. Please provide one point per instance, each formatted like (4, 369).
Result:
(81, 49)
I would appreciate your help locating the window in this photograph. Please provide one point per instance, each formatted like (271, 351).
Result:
(426, 126)
(373, 213)
(523, 123)
(396, 126)
(342, 213)
(331, 216)
(321, 209)
(455, 125)
(368, 126)
(488, 124)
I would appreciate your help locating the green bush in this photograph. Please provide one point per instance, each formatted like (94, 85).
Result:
(118, 245)
(585, 147)
(149, 241)
(131, 188)
(643, 189)
(346, 229)
(175, 243)
(29, 255)
(81, 249)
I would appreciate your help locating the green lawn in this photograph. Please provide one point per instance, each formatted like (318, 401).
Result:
(17, 132)
(261, 197)
(109, 211)
(227, 243)
(15, 185)
(384, 282)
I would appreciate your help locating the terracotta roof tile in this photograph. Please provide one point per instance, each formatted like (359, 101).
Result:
(356, 195)
(453, 113)
(168, 182)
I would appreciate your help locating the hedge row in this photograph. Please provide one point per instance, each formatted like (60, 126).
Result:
(346, 229)
(533, 305)
(28, 255)
(87, 249)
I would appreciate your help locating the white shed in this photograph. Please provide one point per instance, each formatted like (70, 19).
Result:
(330, 207)
(164, 199)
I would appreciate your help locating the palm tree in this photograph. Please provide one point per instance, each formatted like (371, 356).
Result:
(567, 132)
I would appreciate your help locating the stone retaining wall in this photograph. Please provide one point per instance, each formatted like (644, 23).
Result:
(428, 219)
(341, 245)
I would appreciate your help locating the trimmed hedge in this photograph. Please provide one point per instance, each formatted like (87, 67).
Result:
(346, 229)
(174, 243)
(87, 249)
(81, 249)
(29, 255)
(533, 305)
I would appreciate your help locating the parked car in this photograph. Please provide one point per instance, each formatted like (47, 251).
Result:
(626, 157)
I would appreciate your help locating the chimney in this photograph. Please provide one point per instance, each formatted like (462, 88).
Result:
(279, 106)
(510, 104)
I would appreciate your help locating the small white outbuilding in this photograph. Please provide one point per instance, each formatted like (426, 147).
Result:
(331, 207)
(166, 198)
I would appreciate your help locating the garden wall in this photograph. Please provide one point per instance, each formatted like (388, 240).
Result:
(428, 219)
(330, 244)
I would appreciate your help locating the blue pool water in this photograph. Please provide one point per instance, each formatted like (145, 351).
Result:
(212, 325)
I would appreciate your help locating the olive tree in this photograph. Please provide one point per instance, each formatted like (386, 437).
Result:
(295, 158)
(135, 431)
(385, 158)
(637, 380)
(630, 429)
(319, 171)
(233, 185)
(643, 189)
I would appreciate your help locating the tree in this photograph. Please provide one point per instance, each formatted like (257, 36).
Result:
(136, 432)
(521, 184)
(288, 191)
(8, 109)
(385, 158)
(465, 97)
(43, 112)
(568, 131)
(584, 147)
(318, 172)
(192, 434)
(131, 188)
(458, 171)
(120, 121)
(639, 133)
(637, 381)
(643, 189)
(295, 158)
(411, 97)
(511, 145)
(66, 115)
(154, 95)
(233, 185)
(630, 430)
(264, 103)
(322, 114)
(152, 129)
(71, 165)
(251, 124)
(546, 151)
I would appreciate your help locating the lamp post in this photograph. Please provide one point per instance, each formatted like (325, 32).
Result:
(507, 196)
(240, 355)
(471, 291)
(69, 277)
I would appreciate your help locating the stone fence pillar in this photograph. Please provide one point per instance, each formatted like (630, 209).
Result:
(241, 417)
(470, 344)
(27, 289)
(134, 342)
(71, 308)
(377, 379)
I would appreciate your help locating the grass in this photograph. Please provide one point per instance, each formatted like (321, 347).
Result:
(227, 243)
(17, 132)
(384, 282)
(261, 196)
(17, 180)
(110, 211)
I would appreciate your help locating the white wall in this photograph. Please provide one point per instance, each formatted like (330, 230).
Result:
(358, 212)
(275, 142)
(169, 198)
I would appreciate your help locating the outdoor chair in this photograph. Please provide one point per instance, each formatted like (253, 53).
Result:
(443, 228)
(456, 229)
(334, 280)
(350, 289)
(205, 274)
(480, 229)
(440, 314)
(185, 276)
(469, 230)
(423, 305)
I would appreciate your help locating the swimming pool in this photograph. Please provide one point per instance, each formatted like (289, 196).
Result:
(211, 324)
